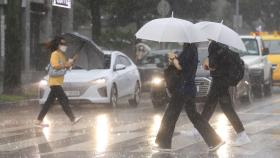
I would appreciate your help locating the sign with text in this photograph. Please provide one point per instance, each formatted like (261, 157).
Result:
(62, 3)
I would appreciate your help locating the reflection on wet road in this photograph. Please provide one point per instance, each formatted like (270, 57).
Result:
(130, 132)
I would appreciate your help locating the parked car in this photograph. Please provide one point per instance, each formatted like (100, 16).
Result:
(151, 71)
(260, 69)
(272, 42)
(118, 78)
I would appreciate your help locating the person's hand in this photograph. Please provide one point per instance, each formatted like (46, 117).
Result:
(171, 55)
(70, 61)
(205, 66)
(67, 65)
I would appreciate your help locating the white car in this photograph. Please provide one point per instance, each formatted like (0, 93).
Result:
(118, 79)
(260, 69)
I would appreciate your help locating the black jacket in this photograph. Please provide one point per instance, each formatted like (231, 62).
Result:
(219, 60)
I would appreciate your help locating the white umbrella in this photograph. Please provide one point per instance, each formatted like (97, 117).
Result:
(221, 33)
(171, 30)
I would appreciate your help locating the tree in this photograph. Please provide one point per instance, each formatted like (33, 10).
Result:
(95, 19)
(259, 11)
(193, 10)
(123, 12)
(13, 55)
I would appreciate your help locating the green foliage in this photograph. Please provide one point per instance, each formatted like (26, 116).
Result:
(193, 10)
(259, 10)
(123, 12)
(81, 14)
(132, 14)
(11, 98)
(116, 39)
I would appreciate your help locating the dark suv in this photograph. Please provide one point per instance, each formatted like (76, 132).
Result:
(151, 72)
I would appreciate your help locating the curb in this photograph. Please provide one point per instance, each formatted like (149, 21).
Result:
(20, 103)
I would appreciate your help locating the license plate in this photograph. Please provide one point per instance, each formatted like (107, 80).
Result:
(72, 93)
(197, 88)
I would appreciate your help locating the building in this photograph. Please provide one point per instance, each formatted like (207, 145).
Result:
(41, 22)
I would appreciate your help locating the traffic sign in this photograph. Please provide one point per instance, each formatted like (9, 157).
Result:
(62, 3)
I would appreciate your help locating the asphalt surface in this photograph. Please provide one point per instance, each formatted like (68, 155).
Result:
(127, 132)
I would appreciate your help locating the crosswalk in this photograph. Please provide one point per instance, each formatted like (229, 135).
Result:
(113, 134)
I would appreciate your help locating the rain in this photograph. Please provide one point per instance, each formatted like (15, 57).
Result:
(112, 97)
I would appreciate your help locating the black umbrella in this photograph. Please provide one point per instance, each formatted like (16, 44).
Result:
(88, 55)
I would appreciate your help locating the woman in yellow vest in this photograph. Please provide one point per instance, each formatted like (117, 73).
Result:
(57, 61)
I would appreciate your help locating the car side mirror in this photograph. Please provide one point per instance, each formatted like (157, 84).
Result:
(265, 51)
(119, 67)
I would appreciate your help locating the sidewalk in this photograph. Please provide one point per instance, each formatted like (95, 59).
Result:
(26, 102)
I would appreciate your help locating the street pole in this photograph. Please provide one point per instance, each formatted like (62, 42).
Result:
(27, 36)
(237, 18)
(46, 32)
(67, 25)
(237, 7)
(2, 38)
(2, 35)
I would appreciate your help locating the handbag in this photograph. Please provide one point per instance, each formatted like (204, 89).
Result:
(172, 77)
(52, 72)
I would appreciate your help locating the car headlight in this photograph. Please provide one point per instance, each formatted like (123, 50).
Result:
(43, 83)
(157, 80)
(99, 81)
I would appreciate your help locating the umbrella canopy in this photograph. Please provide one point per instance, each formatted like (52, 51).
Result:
(88, 55)
(222, 34)
(171, 30)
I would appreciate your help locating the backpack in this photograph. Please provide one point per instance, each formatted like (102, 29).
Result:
(236, 68)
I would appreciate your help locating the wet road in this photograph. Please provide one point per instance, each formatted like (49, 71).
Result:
(127, 132)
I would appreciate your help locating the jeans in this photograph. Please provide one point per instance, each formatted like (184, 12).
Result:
(56, 92)
(219, 93)
(171, 115)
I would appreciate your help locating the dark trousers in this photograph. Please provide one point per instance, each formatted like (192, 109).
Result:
(171, 115)
(56, 92)
(219, 93)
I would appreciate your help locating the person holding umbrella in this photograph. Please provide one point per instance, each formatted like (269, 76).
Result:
(57, 61)
(184, 97)
(219, 63)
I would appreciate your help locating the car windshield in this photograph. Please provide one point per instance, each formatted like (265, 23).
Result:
(273, 45)
(251, 45)
(107, 63)
(154, 58)
(160, 56)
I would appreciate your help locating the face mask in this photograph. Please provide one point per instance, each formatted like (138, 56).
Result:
(63, 48)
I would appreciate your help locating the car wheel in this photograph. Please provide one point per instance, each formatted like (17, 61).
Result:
(267, 88)
(136, 96)
(114, 97)
(249, 98)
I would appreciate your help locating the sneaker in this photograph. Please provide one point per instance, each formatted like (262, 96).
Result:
(162, 149)
(41, 124)
(214, 148)
(76, 120)
(241, 139)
